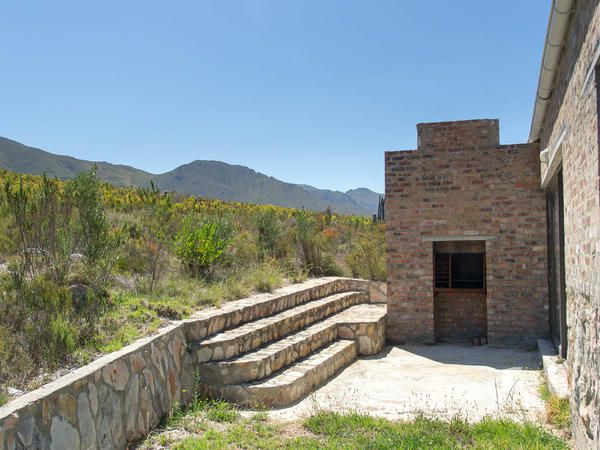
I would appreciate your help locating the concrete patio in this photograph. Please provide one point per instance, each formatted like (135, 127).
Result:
(440, 381)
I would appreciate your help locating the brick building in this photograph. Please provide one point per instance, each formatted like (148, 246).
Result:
(503, 241)
(466, 235)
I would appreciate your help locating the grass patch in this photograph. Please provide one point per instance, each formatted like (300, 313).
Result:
(218, 425)
(558, 411)
(362, 431)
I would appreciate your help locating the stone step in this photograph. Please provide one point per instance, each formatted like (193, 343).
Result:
(238, 312)
(234, 342)
(364, 323)
(293, 383)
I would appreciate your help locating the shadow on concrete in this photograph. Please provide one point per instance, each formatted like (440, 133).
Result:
(382, 354)
(466, 354)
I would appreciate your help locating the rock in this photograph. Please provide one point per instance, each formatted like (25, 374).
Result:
(14, 392)
(137, 362)
(116, 374)
(87, 427)
(131, 406)
(93, 397)
(146, 409)
(173, 387)
(67, 407)
(79, 292)
(177, 351)
(149, 378)
(27, 431)
(110, 432)
(63, 435)
(204, 354)
(157, 361)
(45, 412)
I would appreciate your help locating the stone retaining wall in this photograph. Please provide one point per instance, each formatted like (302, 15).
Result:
(124, 395)
(107, 403)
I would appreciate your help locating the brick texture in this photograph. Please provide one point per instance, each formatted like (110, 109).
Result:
(460, 182)
(574, 108)
(460, 317)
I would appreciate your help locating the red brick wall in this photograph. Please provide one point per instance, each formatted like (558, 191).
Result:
(460, 316)
(461, 182)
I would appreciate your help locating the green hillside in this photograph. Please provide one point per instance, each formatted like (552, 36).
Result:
(211, 179)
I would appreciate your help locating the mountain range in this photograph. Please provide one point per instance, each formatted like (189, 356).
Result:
(210, 179)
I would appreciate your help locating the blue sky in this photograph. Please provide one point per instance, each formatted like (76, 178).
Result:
(307, 91)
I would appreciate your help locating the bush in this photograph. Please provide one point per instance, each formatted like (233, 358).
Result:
(99, 244)
(153, 235)
(266, 278)
(269, 233)
(55, 226)
(200, 244)
(62, 337)
(367, 259)
(40, 327)
(312, 247)
(243, 251)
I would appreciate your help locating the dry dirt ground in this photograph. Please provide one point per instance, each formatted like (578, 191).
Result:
(439, 381)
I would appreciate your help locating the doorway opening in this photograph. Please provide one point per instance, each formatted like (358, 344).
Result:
(556, 263)
(460, 305)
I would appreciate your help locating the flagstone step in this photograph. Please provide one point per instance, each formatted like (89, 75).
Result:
(235, 313)
(365, 323)
(251, 335)
(293, 383)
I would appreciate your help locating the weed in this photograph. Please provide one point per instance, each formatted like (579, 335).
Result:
(557, 408)
(221, 411)
(352, 430)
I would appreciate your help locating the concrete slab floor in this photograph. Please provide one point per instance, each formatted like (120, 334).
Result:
(440, 381)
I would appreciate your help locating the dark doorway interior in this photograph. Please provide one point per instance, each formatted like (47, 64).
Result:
(556, 264)
(460, 312)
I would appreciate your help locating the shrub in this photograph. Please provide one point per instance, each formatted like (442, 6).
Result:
(54, 225)
(153, 234)
(40, 327)
(312, 247)
(44, 228)
(243, 251)
(266, 278)
(62, 337)
(200, 244)
(99, 244)
(367, 259)
(269, 233)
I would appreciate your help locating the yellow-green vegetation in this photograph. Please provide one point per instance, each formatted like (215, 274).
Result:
(3, 396)
(86, 267)
(558, 411)
(217, 425)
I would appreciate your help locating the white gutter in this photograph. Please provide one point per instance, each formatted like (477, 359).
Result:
(555, 37)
